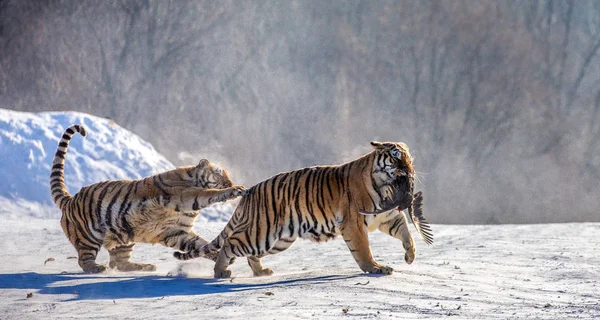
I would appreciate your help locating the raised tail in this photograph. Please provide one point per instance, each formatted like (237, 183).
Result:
(207, 249)
(58, 188)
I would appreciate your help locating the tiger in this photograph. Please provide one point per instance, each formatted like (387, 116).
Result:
(117, 214)
(319, 203)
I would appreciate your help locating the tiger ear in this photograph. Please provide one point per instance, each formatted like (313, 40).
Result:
(376, 144)
(381, 145)
(203, 163)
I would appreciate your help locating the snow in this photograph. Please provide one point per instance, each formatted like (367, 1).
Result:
(546, 271)
(28, 142)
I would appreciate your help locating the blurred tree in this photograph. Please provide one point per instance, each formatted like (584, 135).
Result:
(499, 101)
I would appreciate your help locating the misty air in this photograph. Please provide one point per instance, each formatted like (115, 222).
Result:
(158, 159)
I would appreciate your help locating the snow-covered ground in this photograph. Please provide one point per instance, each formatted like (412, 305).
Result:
(476, 272)
(546, 271)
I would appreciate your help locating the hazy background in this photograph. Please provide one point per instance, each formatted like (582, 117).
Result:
(498, 100)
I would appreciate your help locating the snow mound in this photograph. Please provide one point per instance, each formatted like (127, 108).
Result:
(28, 142)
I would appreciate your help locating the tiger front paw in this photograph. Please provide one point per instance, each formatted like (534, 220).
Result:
(263, 272)
(235, 192)
(239, 191)
(380, 269)
(409, 256)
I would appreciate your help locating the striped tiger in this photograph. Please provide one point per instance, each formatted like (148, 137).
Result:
(320, 203)
(118, 213)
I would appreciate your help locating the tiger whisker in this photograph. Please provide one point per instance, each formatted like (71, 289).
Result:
(419, 179)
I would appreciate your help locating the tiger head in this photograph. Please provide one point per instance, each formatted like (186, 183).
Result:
(393, 159)
(393, 172)
(208, 175)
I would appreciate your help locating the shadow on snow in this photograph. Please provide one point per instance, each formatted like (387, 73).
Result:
(123, 287)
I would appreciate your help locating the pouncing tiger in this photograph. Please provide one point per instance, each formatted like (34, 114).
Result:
(118, 213)
(320, 203)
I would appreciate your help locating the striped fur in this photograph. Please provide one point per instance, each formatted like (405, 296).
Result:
(117, 214)
(320, 203)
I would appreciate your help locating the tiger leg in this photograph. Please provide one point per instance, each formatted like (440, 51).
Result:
(87, 246)
(87, 258)
(185, 241)
(223, 261)
(254, 261)
(119, 258)
(232, 247)
(355, 235)
(257, 268)
(120, 253)
(397, 227)
(192, 199)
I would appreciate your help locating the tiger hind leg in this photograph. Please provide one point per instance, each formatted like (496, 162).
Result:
(87, 259)
(233, 248)
(87, 247)
(225, 257)
(223, 261)
(119, 259)
(254, 261)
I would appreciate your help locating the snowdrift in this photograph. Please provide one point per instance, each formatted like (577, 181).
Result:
(28, 142)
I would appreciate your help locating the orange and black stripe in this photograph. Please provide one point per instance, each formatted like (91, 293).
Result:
(58, 187)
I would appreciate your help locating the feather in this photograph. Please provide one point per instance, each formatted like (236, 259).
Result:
(415, 213)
